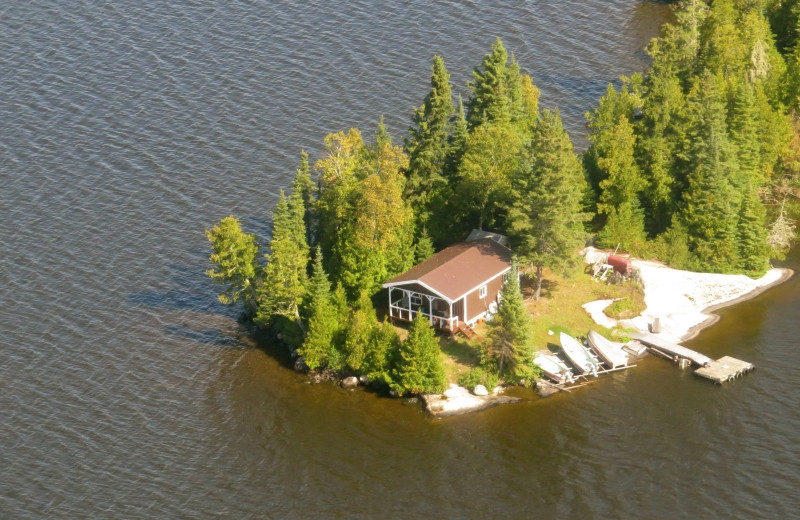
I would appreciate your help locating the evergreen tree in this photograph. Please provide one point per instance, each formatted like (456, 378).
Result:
(491, 100)
(375, 240)
(319, 349)
(620, 188)
(661, 141)
(428, 143)
(492, 155)
(235, 266)
(752, 234)
(285, 276)
(710, 203)
(545, 218)
(510, 330)
(338, 188)
(380, 359)
(360, 334)
(303, 185)
(424, 247)
(419, 368)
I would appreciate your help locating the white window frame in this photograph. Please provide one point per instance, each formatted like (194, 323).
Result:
(482, 291)
(416, 301)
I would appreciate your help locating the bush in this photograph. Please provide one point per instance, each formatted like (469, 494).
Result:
(478, 376)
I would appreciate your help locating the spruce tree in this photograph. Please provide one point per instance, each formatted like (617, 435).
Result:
(752, 234)
(285, 276)
(428, 143)
(510, 330)
(235, 266)
(491, 92)
(303, 185)
(419, 368)
(620, 188)
(545, 218)
(319, 349)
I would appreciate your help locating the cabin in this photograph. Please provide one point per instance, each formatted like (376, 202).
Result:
(457, 286)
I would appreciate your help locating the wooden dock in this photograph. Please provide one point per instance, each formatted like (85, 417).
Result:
(720, 371)
(725, 369)
(673, 350)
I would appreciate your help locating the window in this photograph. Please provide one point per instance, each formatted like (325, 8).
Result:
(482, 291)
(416, 301)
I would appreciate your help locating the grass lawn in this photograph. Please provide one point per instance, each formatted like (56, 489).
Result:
(558, 309)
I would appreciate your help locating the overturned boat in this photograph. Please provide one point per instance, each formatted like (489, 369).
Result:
(611, 355)
(579, 355)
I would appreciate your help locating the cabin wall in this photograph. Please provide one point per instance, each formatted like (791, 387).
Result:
(477, 306)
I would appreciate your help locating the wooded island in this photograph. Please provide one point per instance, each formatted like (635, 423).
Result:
(696, 163)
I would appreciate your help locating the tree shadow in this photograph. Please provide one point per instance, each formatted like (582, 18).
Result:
(460, 351)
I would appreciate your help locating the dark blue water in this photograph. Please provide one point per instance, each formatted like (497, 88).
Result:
(126, 391)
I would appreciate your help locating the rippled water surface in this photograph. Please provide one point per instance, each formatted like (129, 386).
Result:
(126, 391)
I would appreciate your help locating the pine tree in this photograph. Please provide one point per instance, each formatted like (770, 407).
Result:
(752, 234)
(494, 89)
(303, 185)
(235, 266)
(545, 218)
(319, 349)
(620, 188)
(711, 201)
(285, 276)
(360, 331)
(380, 359)
(510, 330)
(419, 368)
(428, 143)
(423, 249)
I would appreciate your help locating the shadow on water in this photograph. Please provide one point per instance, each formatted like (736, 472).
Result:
(189, 289)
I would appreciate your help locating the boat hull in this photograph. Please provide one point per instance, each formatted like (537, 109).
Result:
(611, 356)
(578, 355)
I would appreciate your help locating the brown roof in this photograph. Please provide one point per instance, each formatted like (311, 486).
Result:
(458, 269)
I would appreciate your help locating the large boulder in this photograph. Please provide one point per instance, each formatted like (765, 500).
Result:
(300, 364)
(480, 390)
(350, 382)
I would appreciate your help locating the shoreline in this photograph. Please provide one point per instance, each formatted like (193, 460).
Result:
(684, 301)
(784, 275)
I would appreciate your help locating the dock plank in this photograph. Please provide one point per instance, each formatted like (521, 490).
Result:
(725, 369)
(673, 349)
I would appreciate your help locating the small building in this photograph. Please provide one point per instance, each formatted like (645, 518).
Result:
(458, 285)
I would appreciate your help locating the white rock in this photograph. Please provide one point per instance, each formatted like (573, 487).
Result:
(480, 390)
(350, 382)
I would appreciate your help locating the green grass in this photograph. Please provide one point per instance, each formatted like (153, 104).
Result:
(558, 309)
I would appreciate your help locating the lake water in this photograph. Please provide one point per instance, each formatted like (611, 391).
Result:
(126, 391)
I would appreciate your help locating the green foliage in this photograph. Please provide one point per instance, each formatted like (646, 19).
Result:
(285, 276)
(428, 144)
(491, 102)
(424, 247)
(545, 218)
(234, 258)
(752, 235)
(419, 368)
(493, 153)
(508, 338)
(360, 334)
(303, 185)
(319, 350)
(479, 376)
(381, 358)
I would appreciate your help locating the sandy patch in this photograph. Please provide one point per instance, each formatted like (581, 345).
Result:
(683, 301)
